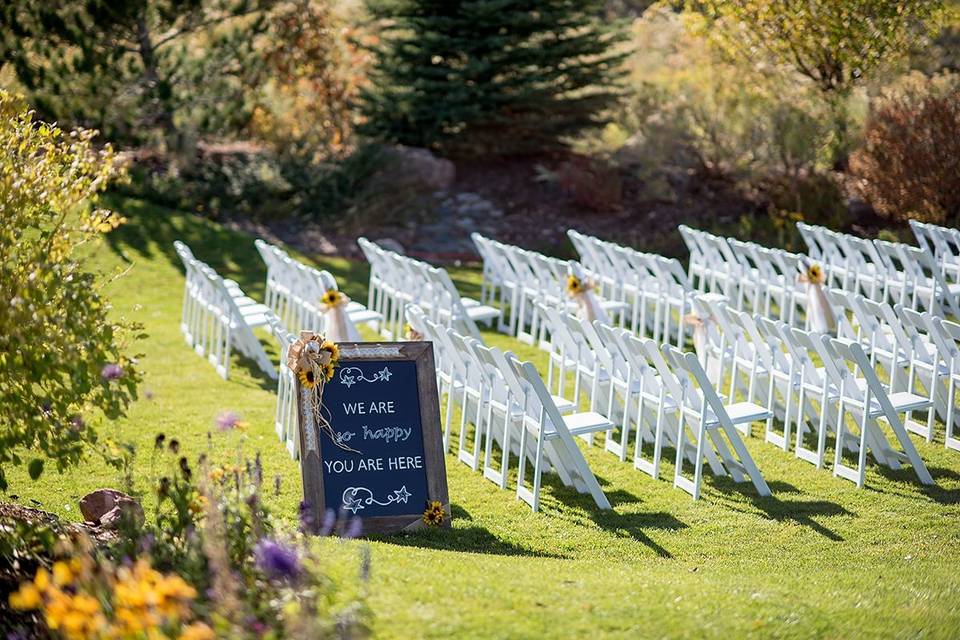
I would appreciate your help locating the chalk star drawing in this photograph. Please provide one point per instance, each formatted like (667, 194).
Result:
(350, 376)
(357, 498)
(351, 504)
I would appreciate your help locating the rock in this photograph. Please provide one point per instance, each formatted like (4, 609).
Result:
(436, 174)
(390, 245)
(106, 507)
(127, 507)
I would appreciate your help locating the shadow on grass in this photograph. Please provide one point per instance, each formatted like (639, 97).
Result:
(934, 492)
(470, 539)
(801, 512)
(152, 229)
(624, 525)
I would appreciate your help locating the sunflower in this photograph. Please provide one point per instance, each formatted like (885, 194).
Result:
(815, 274)
(327, 371)
(307, 378)
(332, 349)
(434, 514)
(575, 285)
(331, 298)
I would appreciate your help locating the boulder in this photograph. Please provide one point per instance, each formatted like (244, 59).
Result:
(106, 507)
(435, 174)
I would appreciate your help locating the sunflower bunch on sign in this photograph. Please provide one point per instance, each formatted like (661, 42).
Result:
(313, 358)
(434, 514)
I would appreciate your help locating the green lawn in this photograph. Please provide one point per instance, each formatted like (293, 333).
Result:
(819, 558)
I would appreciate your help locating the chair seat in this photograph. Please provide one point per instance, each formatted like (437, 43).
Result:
(364, 315)
(564, 406)
(482, 312)
(742, 413)
(906, 401)
(581, 423)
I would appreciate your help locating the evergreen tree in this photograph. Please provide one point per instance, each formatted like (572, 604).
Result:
(474, 77)
(135, 68)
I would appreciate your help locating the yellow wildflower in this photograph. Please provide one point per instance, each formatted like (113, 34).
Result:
(42, 579)
(197, 631)
(25, 598)
(198, 505)
(62, 574)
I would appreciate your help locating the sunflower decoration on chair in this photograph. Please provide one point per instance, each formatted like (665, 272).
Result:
(314, 359)
(434, 515)
(576, 286)
(813, 274)
(332, 298)
(820, 314)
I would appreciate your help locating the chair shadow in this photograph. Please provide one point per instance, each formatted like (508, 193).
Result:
(801, 512)
(933, 492)
(626, 525)
(469, 539)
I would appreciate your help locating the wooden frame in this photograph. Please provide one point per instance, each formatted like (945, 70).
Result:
(311, 460)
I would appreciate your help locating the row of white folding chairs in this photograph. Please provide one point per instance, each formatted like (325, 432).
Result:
(770, 358)
(397, 281)
(504, 402)
(217, 316)
(883, 270)
(521, 280)
(655, 289)
(641, 386)
(943, 243)
(294, 291)
(285, 417)
(751, 276)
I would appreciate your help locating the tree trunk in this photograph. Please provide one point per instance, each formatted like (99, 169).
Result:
(157, 89)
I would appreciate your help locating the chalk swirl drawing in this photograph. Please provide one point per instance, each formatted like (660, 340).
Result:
(350, 376)
(357, 498)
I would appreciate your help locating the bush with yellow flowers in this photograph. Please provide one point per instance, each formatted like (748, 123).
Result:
(62, 359)
(85, 599)
(211, 561)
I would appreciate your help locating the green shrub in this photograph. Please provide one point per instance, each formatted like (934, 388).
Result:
(62, 358)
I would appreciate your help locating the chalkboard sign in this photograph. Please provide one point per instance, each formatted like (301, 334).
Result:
(382, 458)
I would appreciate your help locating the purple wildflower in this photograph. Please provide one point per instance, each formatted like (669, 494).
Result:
(354, 528)
(306, 516)
(227, 420)
(111, 371)
(329, 522)
(277, 560)
(77, 423)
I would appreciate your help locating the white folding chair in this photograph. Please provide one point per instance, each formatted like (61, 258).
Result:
(861, 394)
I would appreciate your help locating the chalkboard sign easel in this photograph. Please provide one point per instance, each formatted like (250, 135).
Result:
(382, 460)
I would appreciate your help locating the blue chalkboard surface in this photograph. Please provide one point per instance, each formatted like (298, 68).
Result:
(376, 451)
(378, 466)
